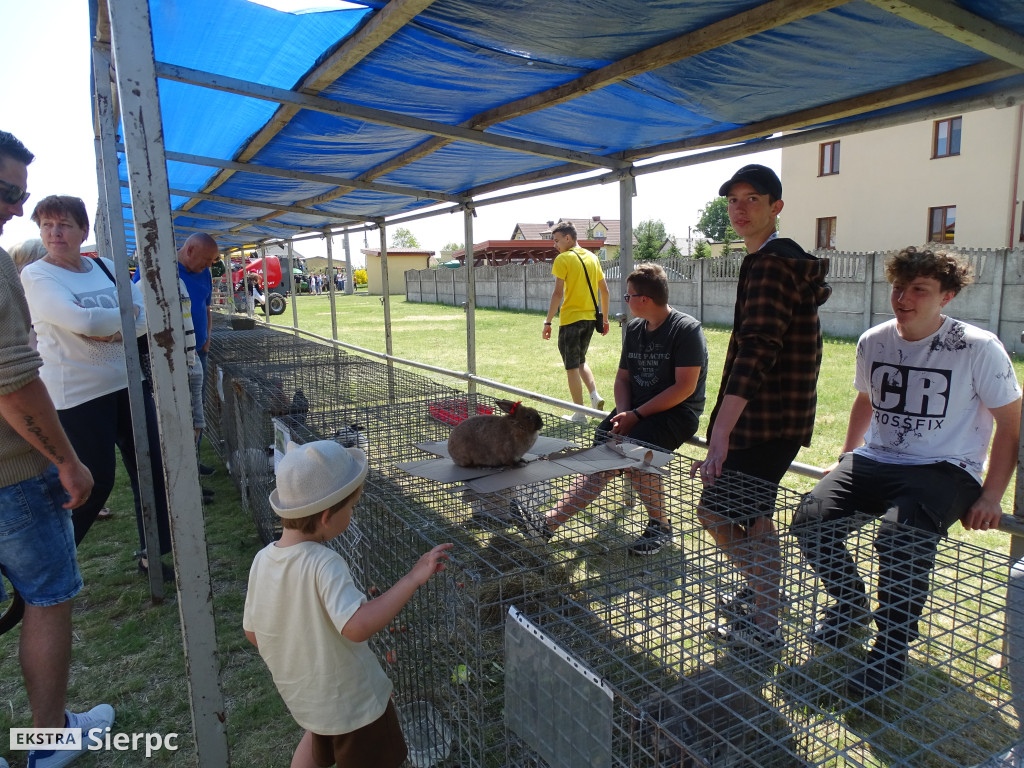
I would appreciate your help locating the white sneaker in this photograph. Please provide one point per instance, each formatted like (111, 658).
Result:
(576, 418)
(99, 718)
(596, 401)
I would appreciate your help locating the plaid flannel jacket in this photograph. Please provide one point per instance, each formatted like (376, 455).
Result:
(774, 352)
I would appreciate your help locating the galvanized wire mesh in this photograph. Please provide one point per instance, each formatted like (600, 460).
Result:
(642, 624)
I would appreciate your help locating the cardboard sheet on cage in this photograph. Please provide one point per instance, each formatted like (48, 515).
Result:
(547, 466)
(444, 470)
(542, 446)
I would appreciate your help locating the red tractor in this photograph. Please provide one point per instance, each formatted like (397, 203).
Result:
(272, 297)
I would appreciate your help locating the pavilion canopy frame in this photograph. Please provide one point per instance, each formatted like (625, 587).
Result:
(259, 126)
(427, 106)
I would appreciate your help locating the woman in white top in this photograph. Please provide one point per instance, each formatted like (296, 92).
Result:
(74, 307)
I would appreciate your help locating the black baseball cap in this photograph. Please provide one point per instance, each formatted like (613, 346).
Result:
(760, 177)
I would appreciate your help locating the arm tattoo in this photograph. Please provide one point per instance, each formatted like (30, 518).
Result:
(47, 448)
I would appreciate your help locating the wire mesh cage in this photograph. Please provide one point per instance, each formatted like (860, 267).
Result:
(648, 628)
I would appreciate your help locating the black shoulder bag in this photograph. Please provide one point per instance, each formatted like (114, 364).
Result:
(599, 321)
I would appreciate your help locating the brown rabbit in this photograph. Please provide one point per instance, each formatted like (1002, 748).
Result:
(495, 441)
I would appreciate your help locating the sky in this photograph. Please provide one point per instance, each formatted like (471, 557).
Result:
(46, 100)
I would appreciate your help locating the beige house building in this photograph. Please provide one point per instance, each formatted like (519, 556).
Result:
(399, 260)
(956, 179)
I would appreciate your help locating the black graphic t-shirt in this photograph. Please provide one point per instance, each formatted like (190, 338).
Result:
(652, 358)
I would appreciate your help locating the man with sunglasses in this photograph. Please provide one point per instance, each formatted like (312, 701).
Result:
(659, 397)
(42, 480)
(766, 404)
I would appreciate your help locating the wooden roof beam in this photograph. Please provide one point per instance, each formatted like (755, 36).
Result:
(957, 23)
(377, 30)
(759, 19)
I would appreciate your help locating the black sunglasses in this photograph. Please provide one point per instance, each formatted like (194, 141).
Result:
(11, 194)
(627, 296)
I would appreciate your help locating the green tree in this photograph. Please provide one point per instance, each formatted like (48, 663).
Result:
(403, 238)
(701, 249)
(714, 221)
(650, 235)
(453, 246)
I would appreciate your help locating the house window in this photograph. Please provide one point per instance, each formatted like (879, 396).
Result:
(946, 142)
(828, 158)
(941, 224)
(826, 237)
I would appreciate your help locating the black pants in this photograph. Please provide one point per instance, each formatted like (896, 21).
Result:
(94, 429)
(917, 505)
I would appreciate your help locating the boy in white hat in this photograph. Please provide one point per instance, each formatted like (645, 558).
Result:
(311, 622)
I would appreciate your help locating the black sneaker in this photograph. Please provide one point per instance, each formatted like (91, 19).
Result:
(655, 536)
(735, 605)
(881, 671)
(840, 620)
(746, 635)
(534, 526)
(205, 470)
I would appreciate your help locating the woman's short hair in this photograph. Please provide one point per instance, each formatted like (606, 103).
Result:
(62, 205)
(650, 280)
(910, 263)
(27, 251)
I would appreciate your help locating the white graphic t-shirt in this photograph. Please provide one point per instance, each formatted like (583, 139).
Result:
(930, 398)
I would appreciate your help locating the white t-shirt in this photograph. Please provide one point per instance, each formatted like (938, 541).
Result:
(930, 398)
(299, 599)
(67, 307)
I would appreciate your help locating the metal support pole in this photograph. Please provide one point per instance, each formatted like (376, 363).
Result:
(111, 244)
(627, 191)
(349, 281)
(467, 219)
(386, 297)
(1013, 643)
(132, 48)
(266, 284)
(295, 287)
(869, 288)
(331, 286)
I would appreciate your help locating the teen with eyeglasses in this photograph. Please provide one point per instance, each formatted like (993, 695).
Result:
(659, 397)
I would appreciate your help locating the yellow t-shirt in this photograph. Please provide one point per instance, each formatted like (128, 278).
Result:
(576, 301)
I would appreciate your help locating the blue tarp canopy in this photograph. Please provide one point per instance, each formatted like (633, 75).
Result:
(277, 123)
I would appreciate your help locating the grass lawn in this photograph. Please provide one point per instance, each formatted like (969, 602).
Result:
(128, 652)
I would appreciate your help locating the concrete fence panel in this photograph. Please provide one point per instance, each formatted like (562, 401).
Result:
(706, 289)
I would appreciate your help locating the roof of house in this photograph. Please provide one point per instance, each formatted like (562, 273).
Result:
(542, 231)
(398, 251)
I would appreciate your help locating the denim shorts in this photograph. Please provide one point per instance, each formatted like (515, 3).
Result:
(37, 541)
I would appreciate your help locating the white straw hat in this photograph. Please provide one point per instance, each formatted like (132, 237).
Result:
(316, 476)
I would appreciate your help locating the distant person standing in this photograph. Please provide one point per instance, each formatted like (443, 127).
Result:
(195, 259)
(766, 402)
(580, 297)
